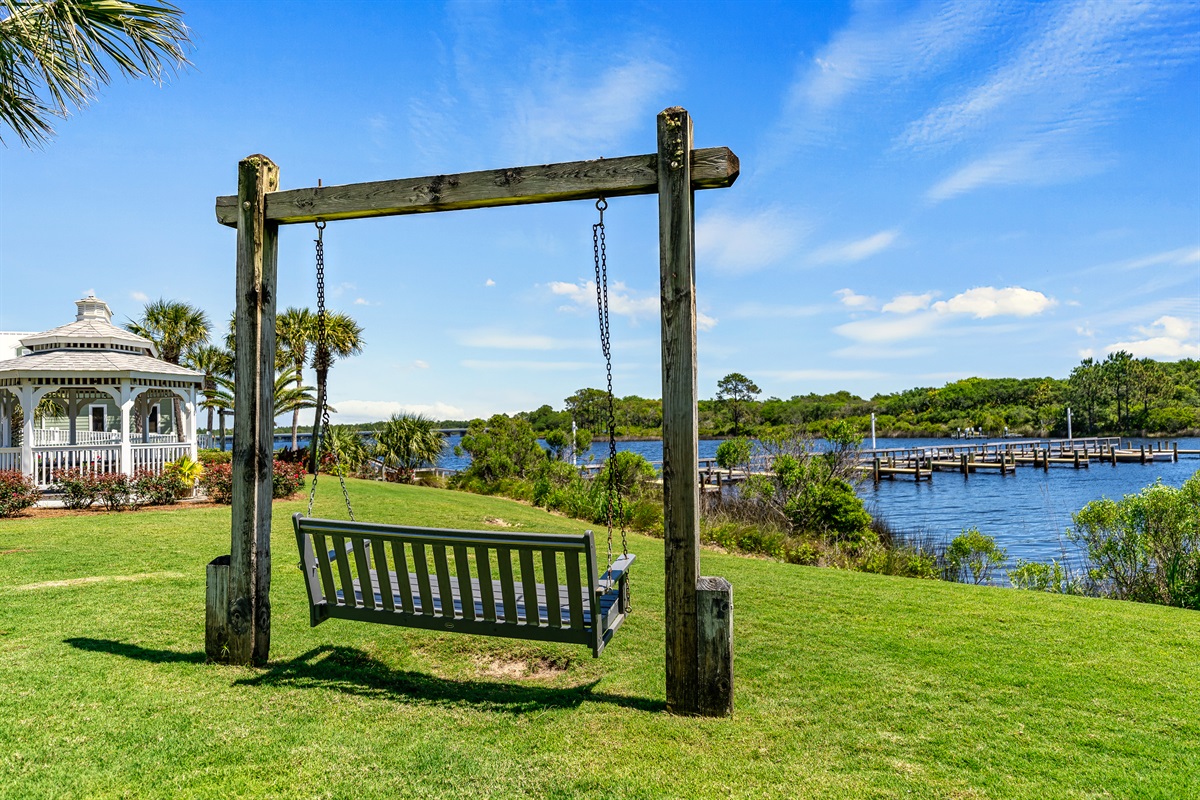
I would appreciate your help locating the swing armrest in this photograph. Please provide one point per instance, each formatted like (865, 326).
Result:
(619, 567)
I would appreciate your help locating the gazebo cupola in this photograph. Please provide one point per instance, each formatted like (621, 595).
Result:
(100, 380)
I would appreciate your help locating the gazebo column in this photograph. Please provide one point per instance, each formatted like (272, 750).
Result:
(144, 414)
(28, 404)
(193, 414)
(5, 418)
(72, 413)
(126, 401)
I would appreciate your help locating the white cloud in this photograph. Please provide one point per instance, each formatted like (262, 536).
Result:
(621, 300)
(362, 301)
(140, 297)
(850, 252)
(908, 303)
(888, 329)
(850, 299)
(352, 411)
(704, 322)
(529, 366)
(987, 301)
(489, 282)
(494, 338)
(561, 111)
(739, 243)
(420, 364)
(754, 310)
(1166, 338)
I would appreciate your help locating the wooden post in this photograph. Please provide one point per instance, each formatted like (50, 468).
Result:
(689, 658)
(714, 620)
(963, 463)
(875, 469)
(253, 445)
(1175, 452)
(1046, 460)
(216, 609)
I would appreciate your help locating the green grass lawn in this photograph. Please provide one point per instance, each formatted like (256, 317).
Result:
(847, 684)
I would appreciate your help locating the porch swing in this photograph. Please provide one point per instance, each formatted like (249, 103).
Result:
(539, 586)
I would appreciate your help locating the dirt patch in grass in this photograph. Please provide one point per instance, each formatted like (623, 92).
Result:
(522, 668)
(500, 522)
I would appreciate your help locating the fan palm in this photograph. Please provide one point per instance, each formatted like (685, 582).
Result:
(343, 338)
(55, 54)
(295, 333)
(175, 328)
(213, 362)
(288, 395)
(406, 441)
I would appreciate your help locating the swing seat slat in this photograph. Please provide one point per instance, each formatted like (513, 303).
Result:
(544, 587)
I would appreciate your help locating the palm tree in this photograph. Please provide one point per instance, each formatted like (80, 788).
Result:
(288, 396)
(295, 334)
(343, 337)
(406, 441)
(55, 54)
(213, 362)
(352, 453)
(175, 328)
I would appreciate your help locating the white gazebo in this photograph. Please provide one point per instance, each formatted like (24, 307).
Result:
(114, 401)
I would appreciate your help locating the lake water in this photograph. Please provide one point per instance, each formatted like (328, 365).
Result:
(1026, 512)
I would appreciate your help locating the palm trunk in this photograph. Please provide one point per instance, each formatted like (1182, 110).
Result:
(314, 445)
(177, 407)
(296, 414)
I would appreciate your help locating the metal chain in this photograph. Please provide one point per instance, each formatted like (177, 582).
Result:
(612, 490)
(321, 361)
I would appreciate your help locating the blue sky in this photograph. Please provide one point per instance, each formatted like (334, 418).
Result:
(929, 190)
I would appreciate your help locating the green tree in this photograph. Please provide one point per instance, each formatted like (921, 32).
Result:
(501, 447)
(736, 391)
(343, 338)
(589, 409)
(214, 362)
(407, 441)
(1117, 370)
(295, 332)
(56, 54)
(1087, 390)
(176, 328)
(974, 556)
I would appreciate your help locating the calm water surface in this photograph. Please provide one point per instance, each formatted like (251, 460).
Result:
(1026, 512)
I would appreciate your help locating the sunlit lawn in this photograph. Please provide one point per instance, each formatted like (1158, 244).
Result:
(847, 685)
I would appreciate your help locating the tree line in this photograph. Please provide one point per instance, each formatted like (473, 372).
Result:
(1117, 395)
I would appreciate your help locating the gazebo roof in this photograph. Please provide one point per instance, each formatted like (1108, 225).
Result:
(92, 345)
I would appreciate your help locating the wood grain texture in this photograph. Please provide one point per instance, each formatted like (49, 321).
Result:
(712, 168)
(681, 490)
(216, 609)
(249, 581)
(714, 620)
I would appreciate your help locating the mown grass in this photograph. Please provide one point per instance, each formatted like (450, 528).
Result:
(847, 684)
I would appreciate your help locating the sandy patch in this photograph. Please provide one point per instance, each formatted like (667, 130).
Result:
(518, 668)
(145, 576)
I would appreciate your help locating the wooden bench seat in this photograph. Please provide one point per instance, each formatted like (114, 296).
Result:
(480, 582)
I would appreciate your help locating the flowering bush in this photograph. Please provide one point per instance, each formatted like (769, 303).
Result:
(17, 492)
(78, 487)
(116, 491)
(158, 490)
(217, 483)
(287, 480)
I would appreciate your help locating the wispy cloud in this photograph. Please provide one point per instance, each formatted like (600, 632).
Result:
(499, 339)
(622, 301)
(857, 250)
(140, 297)
(851, 299)
(738, 243)
(352, 411)
(528, 366)
(755, 310)
(1166, 338)
(913, 316)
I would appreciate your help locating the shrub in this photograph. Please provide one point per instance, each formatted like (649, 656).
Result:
(287, 478)
(831, 509)
(162, 489)
(972, 557)
(1146, 546)
(734, 452)
(186, 472)
(77, 487)
(208, 457)
(1055, 576)
(115, 491)
(217, 483)
(17, 492)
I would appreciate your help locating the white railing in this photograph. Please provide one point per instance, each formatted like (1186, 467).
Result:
(10, 458)
(54, 436)
(153, 457)
(49, 460)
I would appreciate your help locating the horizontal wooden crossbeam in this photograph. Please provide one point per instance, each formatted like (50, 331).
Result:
(712, 168)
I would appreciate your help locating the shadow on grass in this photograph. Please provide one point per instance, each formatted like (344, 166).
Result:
(136, 651)
(348, 670)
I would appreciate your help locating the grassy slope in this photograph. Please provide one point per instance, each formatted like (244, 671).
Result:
(848, 685)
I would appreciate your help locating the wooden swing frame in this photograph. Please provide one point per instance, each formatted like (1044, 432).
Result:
(698, 610)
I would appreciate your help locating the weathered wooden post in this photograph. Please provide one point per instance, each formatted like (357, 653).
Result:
(699, 638)
(241, 632)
